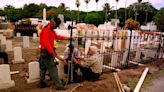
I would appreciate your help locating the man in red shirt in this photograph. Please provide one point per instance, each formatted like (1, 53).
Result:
(47, 54)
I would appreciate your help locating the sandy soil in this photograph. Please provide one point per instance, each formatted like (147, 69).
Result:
(105, 84)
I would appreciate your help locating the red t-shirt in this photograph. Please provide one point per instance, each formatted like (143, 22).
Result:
(47, 38)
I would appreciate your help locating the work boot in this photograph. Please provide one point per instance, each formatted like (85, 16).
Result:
(43, 85)
(62, 88)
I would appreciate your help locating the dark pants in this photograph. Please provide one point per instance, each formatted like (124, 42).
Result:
(47, 63)
(89, 75)
(4, 55)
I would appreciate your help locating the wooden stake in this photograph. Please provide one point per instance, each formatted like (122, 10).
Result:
(112, 68)
(119, 88)
(122, 89)
(140, 82)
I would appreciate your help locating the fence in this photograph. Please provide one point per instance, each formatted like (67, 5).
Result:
(122, 48)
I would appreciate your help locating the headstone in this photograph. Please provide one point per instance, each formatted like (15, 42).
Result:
(34, 37)
(18, 34)
(9, 45)
(26, 42)
(5, 77)
(18, 55)
(33, 72)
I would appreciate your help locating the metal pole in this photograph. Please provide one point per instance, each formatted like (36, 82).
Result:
(127, 60)
(70, 55)
(106, 15)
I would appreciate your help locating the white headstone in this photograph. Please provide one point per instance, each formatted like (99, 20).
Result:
(26, 42)
(18, 55)
(18, 34)
(9, 45)
(34, 36)
(34, 72)
(5, 77)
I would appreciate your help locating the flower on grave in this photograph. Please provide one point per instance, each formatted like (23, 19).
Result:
(132, 24)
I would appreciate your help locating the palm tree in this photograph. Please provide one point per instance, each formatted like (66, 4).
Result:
(77, 5)
(116, 8)
(125, 10)
(147, 12)
(62, 6)
(137, 5)
(97, 5)
(87, 1)
(139, 1)
(106, 8)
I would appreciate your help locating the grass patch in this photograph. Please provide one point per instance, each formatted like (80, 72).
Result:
(132, 84)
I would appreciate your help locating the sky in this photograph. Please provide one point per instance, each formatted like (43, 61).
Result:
(71, 3)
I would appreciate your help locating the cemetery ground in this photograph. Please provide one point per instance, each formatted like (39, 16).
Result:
(106, 83)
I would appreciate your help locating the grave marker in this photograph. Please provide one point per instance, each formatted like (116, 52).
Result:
(18, 34)
(18, 55)
(5, 77)
(33, 72)
(26, 42)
